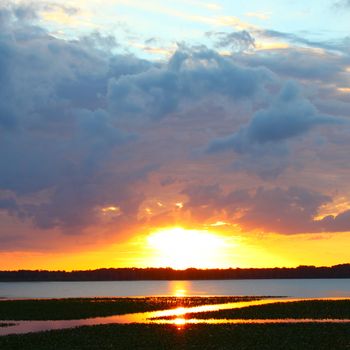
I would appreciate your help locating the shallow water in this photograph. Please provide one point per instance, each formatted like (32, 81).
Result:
(300, 288)
(178, 314)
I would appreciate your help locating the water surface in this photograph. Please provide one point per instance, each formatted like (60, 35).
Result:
(301, 288)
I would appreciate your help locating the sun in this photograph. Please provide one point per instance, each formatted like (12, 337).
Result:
(181, 248)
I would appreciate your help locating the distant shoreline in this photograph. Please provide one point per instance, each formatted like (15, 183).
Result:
(167, 274)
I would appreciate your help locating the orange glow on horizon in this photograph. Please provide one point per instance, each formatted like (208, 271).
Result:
(180, 248)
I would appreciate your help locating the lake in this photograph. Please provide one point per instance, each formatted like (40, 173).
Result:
(298, 288)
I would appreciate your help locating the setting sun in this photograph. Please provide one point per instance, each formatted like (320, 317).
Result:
(180, 248)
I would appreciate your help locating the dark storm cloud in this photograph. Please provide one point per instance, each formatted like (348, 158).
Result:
(287, 211)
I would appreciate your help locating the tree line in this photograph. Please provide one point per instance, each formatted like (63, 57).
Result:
(134, 274)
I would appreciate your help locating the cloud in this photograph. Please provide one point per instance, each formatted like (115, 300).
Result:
(285, 211)
(10, 205)
(190, 75)
(290, 115)
(260, 15)
(289, 210)
(236, 41)
(84, 127)
(334, 45)
(341, 4)
(248, 39)
(303, 65)
(339, 223)
(57, 137)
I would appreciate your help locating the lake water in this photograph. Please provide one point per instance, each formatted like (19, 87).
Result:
(296, 288)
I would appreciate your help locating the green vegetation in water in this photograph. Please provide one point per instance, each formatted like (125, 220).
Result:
(315, 309)
(78, 308)
(203, 337)
(6, 324)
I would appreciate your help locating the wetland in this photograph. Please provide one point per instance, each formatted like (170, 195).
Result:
(235, 322)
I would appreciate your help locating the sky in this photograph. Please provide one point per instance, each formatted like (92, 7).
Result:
(174, 133)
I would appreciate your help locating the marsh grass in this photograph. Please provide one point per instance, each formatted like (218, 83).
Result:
(315, 309)
(78, 308)
(203, 337)
(309, 336)
(2, 324)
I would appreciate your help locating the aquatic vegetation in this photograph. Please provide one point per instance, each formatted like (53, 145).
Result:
(6, 324)
(76, 308)
(181, 335)
(167, 337)
(315, 309)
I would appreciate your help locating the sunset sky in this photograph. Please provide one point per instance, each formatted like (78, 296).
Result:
(180, 133)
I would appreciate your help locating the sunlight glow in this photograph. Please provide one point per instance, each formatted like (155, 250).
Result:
(179, 205)
(180, 248)
(344, 90)
(112, 210)
(179, 322)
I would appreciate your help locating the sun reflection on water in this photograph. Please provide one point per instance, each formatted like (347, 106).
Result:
(180, 323)
(180, 311)
(179, 288)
